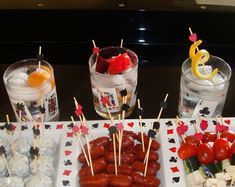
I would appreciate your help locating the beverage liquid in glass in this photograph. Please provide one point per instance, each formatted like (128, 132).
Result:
(111, 85)
(31, 88)
(204, 98)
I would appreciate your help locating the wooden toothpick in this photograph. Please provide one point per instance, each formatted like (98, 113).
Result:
(141, 129)
(39, 53)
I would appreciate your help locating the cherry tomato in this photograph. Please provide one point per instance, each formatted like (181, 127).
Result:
(191, 139)
(205, 153)
(233, 148)
(221, 149)
(229, 135)
(187, 150)
(209, 137)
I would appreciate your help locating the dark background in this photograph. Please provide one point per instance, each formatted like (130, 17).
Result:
(65, 29)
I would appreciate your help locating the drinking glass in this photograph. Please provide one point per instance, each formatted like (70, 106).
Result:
(111, 85)
(203, 98)
(32, 91)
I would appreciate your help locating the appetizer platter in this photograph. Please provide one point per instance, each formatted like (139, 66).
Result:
(67, 167)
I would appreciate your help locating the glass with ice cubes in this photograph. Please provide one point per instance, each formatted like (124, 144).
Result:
(30, 85)
(200, 97)
(113, 74)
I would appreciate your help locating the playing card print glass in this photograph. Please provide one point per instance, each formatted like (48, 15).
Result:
(30, 85)
(113, 74)
(203, 97)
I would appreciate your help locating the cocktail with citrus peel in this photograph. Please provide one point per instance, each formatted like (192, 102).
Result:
(204, 83)
(31, 89)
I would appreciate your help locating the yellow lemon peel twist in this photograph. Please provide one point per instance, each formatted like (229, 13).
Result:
(200, 58)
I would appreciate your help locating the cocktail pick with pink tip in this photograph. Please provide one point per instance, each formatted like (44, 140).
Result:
(76, 130)
(203, 124)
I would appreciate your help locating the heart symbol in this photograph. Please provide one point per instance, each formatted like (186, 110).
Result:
(130, 124)
(185, 128)
(193, 37)
(75, 129)
(180, 130)
(225, 128)
(120, 126)
(173, 149)
(67, 152)
(227, 121)
(203, 125)
(219, 128)
(198, 136)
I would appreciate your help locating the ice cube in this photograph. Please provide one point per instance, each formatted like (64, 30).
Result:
(17, 82)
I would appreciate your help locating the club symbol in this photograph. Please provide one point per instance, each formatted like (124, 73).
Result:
(204, 112)
(67, 162)
(173, 159)
(169, 123)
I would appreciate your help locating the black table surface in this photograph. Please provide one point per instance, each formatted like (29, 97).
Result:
(153, 83)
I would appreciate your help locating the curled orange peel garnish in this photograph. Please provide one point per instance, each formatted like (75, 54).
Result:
(200, 58)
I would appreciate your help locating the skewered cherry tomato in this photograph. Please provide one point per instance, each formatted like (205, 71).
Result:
(187, 150)
(209, 137)
(205, 153)
(191, 139)
(229, 135)
(221, 149)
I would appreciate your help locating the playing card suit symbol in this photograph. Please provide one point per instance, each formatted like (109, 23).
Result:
(227, 121)
(175, 169)
(47, 126)
(13, 127)
(169, 123)
(170, 131)
(173, 149)
(67, 152)
(69, 134)
(156, 125)
(193, 37)
(131, 124)
(181, 129)
(96, 50)
(205, 111)
(140, 112)
(123, 92)
(193, 121)
(214, 122)
(24, 127)
(225, 128)
(67, 144)
(198, 136)
(143, 124)
(67, 172)
(171, 140)
(2, 127)
(106, 125)
(67, 162)
(180, 123)
(66, 183)
(59, 126)
(176, 179)
(95, 125)
(125, 107)
(104, 100)
(75, 129)
(204, 125)
(163, 104)
(84, 130)
(120, 126)
(219, 128)
(70, 125)
(151, 133)
(173, 159)
(78, 110)
(112, 130)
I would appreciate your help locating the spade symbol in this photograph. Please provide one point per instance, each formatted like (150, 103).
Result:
(176, 179)
(66, 183)
(193, 122)
(140, 112)
(67, 162)
(151, 133)
(214, 122)
(173, 159)
(156, 125)
(20, 106)
(143, 124)
(2, 127)
(95, 125)
(113, 130)
(70, 125)
(69, 143)
(125, 107)
(24, 127)
(169, 123)
(171, 140)
(47, 126)
(205, 111)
